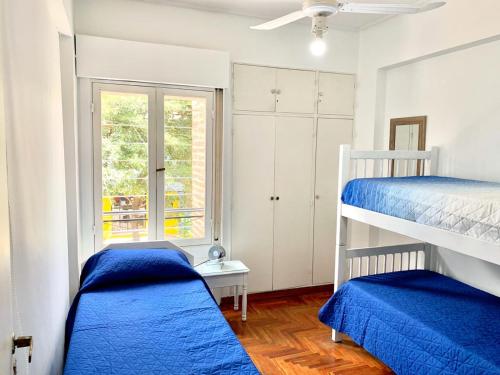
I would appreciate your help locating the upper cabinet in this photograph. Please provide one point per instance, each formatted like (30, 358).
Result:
(266, 89)
(263, 89)
(254, 88)
(295, 91)
(336, 94)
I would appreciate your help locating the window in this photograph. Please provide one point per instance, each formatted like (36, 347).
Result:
(152, 164)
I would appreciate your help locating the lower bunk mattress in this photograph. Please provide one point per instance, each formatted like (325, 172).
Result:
(467, 207)
(419, 322)
(148, 312)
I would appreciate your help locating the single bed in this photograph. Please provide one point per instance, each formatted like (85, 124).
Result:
(146, 311)
(414, 321)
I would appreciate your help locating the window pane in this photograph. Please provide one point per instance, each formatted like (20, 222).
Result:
(124, 138)
(185, 166)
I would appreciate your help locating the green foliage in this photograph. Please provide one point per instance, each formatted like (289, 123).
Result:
(178, 148)
(125, 146)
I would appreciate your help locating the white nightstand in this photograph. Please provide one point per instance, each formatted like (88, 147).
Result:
(231, 273)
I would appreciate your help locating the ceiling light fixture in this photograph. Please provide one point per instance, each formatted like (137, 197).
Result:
(319, 29)
(320, 10)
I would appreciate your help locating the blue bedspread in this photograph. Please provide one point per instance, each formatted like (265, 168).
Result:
(148, 312)
(467, 207)
(419, 322)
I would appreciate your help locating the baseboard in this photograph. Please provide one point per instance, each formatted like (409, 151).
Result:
(282, 293)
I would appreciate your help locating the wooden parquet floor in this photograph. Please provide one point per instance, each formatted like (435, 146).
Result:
(283, 335)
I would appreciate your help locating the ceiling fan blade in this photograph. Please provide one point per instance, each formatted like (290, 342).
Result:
(388, 8)
(278, 22)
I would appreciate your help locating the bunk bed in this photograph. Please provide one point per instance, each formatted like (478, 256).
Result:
(143, 309)
(393, 300)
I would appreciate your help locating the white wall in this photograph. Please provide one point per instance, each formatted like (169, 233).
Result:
(403, 39)
(36, 178)
(70, 129)
(460, 94)
(443, 64)
(5, 268)
(149, 22)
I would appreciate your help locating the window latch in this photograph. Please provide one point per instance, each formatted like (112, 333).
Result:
(160, 169)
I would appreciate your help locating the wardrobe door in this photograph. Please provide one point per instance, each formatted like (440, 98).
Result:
(294, 208)
(254, 88)
(331, 134)
(295, 91)
(253, 187)
(336, 94)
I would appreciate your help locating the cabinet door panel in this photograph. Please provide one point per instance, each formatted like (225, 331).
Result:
(293, 211)
(254, 88)
(331, 134)
(336, 94)
(253, 185)
(296, 91)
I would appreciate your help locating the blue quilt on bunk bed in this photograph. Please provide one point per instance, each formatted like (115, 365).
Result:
(467, 207)
(419, 322)
(148, 312)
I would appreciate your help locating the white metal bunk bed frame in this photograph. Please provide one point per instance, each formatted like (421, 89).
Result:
(375, 260)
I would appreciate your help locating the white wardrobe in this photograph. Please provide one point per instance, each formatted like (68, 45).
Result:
(287, 126)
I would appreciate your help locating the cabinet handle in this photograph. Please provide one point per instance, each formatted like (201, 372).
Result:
(317, 196)
(278, 92)
(277, 198)
(272, 198)
(273, 91)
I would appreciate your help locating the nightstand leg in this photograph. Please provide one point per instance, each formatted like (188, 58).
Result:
(244, 304)
(236, 297)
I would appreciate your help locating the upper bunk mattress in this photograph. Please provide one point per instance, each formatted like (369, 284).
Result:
(420, 322)
(468, 207)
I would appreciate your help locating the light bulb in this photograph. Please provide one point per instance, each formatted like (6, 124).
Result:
(318, 47)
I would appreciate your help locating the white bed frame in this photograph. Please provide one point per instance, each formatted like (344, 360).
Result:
(374, 260)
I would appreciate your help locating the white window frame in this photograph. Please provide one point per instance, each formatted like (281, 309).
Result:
(156, 176)
(160, 187)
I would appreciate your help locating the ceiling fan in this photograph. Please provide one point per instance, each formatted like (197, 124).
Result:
(320, 10)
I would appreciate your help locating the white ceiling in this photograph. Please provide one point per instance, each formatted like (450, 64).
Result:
(269, 9)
